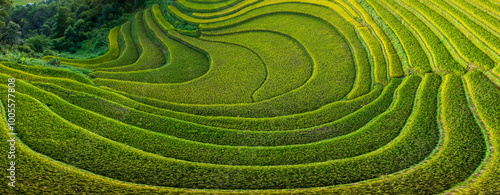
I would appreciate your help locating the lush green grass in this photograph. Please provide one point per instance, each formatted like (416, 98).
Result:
(325, 114)
(64, 133)
(389, 55)
(346, 12)
(441, 58)
(112, 54)
(332, 81)
(413, 50)
(44, 71)
(206, 7)
(487, 41)
(287, 62)
(37, 166)
(151, 56)
(362, 86)
(225, 72)
(130, 53)
(465, 47)
(232, 9)
(185, 64)
(478, 14)
(485, 97)
(450, 165)
(375, 51)
(270, 97)
(159, 17)
(363, 78)
(393, 49)
(167, 146)
(221, 136)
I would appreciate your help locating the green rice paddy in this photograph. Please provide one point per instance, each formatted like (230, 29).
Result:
(268, 97)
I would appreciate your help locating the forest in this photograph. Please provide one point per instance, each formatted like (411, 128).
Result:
(70, 28)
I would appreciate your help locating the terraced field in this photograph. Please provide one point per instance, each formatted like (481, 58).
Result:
(269, 97)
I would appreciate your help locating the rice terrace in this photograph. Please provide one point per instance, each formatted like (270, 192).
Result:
(266, 97)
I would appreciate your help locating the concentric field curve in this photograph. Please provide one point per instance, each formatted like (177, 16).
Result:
(270, 97)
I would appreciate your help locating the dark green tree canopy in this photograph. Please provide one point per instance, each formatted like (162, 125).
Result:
(61, 21)
(11, 34)
(4, 6)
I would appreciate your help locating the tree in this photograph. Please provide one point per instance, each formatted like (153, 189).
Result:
(45, 30)
(70, 20)
(61, 21)
(70, 35)
(80, 25)
(11, 34)
(109, 11)
(39, 43)
(4, 6)
(82, 8)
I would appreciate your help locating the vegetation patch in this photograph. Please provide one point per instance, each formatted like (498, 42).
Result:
(250, 97)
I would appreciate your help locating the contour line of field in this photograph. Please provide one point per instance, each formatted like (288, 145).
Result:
(489, 144)
(391, 35)
(216, 6)
(178, 36)
(221, 129)
(49, 80)
(282, 34)
(480, 42)
(256, 54)
(415, 33)
(483, 7)
(433, 27)
(325, 4)
(202, 143)
(346, 40)
(112, 141)
(142, 151)
(341, 34)
(476, 18)
(107, 179)
(168, 61)
(455, 54)
(225, 12)
(375, 32)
